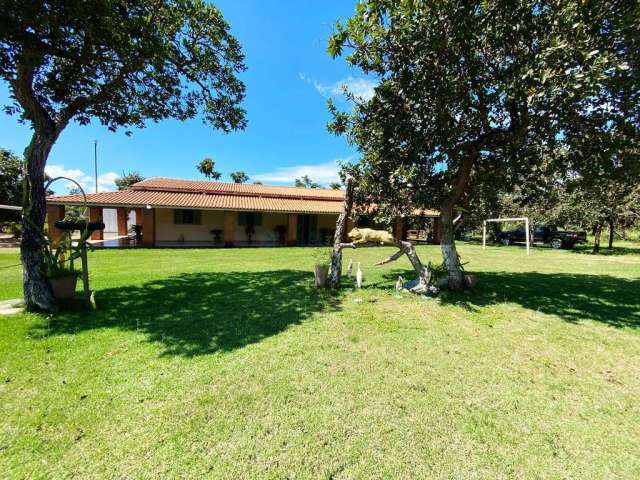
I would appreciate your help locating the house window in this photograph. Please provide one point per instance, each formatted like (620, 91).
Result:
(187, 217)
(249, 218)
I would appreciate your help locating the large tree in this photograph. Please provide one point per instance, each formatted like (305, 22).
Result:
(469, 94)
(122, 62)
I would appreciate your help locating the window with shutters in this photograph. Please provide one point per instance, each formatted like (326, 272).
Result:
(187, 217)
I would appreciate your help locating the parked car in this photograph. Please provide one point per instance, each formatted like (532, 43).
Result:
(546, 234)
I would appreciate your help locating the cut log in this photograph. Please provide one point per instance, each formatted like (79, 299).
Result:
(422, 283)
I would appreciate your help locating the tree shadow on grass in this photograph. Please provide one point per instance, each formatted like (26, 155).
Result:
(202, 313)
(605, 251)
(572, 297)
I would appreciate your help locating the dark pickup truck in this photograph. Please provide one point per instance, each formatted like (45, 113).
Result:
(547, 234)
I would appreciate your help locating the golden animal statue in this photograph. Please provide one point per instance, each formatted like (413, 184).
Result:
(368, 235)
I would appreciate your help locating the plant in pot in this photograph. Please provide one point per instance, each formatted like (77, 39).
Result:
(217, 235)
(137, 232)
(281, 231)
(321, 268)
(249, 231)
(58, 267)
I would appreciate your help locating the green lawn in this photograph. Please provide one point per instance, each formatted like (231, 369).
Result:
(228, 364)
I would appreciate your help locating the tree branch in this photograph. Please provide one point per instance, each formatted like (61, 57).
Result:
(22, 87)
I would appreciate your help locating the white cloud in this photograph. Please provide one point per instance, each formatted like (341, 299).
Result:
(323, 173)
(362, 88)
(106, 181)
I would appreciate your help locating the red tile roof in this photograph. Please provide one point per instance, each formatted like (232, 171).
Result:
(174, 193)
(176, 185)
(166, 192)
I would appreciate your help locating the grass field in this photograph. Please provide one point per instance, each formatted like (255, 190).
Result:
(229, 364)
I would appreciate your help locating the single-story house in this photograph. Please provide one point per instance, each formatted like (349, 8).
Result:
(175, 212)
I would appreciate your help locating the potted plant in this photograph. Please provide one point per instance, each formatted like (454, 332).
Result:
(281, 231)
(217, 235)
(249, 231)
(321, 268)
(58, 266)
(137, 232)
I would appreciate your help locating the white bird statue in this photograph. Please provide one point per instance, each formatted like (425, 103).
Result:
(350, 267)
(359, 277)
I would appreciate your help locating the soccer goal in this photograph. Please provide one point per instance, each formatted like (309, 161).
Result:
(497, 220)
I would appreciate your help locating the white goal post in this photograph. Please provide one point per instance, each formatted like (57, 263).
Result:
(496, 220)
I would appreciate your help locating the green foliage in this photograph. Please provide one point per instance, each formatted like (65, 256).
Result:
(207, 168)
(335, 185)
(239, 177)
(14, 228)
(128, 179)
(74, 213)
(479, 95)
(306, 182)
(59, 257)
(120, 61)
(322, 256)
(11, 174)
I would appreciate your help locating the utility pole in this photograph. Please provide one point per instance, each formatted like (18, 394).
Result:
(95, 161)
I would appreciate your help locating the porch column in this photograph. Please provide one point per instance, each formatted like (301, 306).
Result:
(148, 226)
(437, 230)
(292, 229)
(230, 222)
(54, 213)
(95, 215)
(139, 216)
(122, 221)
(398, 229)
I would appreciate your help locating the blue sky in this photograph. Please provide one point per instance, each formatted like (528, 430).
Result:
(288, 80)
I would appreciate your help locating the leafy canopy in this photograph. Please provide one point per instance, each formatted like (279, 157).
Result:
(120, 61)
(473, 93)
(128, 179)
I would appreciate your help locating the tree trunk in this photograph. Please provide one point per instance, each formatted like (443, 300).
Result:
(448, 245)
(340, 235)
(611, 232)
(37, 293)
(449, 252)
(597, 231)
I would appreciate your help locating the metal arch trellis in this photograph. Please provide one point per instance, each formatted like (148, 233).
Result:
(84, 195)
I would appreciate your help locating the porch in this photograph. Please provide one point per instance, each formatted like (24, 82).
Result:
(172, 227)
